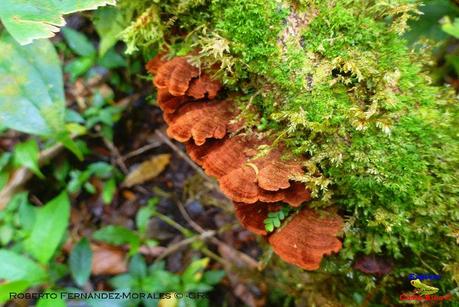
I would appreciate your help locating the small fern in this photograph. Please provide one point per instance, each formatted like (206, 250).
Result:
(274, 219)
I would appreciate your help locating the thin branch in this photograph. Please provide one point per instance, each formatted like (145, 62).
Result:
(182, 155)
(22, 175)
(249, 261)
(116, 155)
(141, 150)
(176, 246)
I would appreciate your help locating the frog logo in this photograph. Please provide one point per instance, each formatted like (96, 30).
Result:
(423, 289)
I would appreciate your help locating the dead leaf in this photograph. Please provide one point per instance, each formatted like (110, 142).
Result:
(147, 170)
(108, 260)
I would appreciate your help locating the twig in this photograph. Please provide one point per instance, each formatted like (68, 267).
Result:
(140, 150)
(116, 155)
(249, 261)
(22, 175)
(176, 246)
(182, 155)
(184, 231)
(188, 218)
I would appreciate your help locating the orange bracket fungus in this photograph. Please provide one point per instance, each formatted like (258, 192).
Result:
(255, 180)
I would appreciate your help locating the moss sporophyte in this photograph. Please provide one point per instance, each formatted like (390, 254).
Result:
(337, 83)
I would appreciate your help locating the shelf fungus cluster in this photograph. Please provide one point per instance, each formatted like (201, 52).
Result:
(256, 180)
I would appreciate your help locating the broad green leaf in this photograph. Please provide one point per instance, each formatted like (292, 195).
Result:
(101, 169)
(14, 267)
(51, 302)
(6, 234)
(109, 23)
(138, 267)
(79, 66)
(213, 277)
(31, 87)
(17, 286)
(452, 28)
(78, 42)
(27, 20)
(112, 60)
(80, 261)
(50, 225)
(116, 235)
(122, 281)
(26, 154)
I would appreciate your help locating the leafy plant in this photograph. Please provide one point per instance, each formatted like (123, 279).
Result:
(275, 218)
(32, 91)
(118, 235)
(156, 279)
(450, 27)
(16, 220)
(80, 260)
(42, 236)
(87, 54)
(81, 179)
(31, 88)
(103, 114)
(26, 154)
(144, 214)
(109, 22)
(27, 20)
(48, 229)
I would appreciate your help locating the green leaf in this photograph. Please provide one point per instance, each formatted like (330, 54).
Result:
(452, 28)
(26, 215)
(71, 145)
(80, 261)
(51, 302)
(15, 267)
(109, 23)
(428, 25)
(26, 154)
(4, 176)
(27, 20)
(4, 160)
(78, 42)
(112, 60)
(213, 277)
(79, 66)
(101, 169)
(142, 218)
(193, 273)
(49, 226)
(116, 235)
(137, 266)
(31, 87)
(109, 191)
(122, 281)
(6, 234)
(17, 286)
(269, 227)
